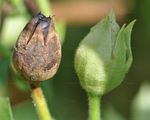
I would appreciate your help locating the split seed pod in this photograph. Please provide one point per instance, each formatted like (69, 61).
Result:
(37, 52)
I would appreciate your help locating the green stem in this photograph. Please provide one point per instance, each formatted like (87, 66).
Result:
(40, 103)
(44, 6)
(19, 5)
(94, 107)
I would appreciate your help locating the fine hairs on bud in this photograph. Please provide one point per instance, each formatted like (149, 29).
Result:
(37, 52)
(104, 56)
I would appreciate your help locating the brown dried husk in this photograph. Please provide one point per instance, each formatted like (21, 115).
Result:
(36, 58)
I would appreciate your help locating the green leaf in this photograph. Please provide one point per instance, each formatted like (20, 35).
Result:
(5, 109)
(4, 63)
(122, 57)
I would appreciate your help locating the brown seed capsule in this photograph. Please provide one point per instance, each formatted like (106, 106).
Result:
(37, 52)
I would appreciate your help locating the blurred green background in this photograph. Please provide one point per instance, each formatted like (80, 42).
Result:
(65, 97)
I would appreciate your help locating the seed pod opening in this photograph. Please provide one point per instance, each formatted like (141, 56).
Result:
(37, 52)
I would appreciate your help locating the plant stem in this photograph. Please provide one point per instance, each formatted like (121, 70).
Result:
(19, 5)
(40, 103)
(44, 6)
(94, 107)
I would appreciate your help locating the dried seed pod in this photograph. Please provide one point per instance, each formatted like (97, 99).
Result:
(37, 52)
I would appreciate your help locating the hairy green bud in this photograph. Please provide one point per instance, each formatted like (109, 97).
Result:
(104, 56)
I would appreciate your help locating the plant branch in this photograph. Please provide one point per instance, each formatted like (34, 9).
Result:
(44, 6)
(40, 103)
(94, 107)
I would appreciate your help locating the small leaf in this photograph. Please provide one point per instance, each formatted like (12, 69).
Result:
(122, 57)
(5, 109)
(4, 63)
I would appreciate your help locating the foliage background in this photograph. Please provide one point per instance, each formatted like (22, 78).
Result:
(66, 99)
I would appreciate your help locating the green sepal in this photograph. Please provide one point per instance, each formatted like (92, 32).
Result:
(104, 56)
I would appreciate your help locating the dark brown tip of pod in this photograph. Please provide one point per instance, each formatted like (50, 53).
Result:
(44, 21)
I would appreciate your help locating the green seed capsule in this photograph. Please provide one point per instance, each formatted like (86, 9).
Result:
(37, 52)
(104, 56)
